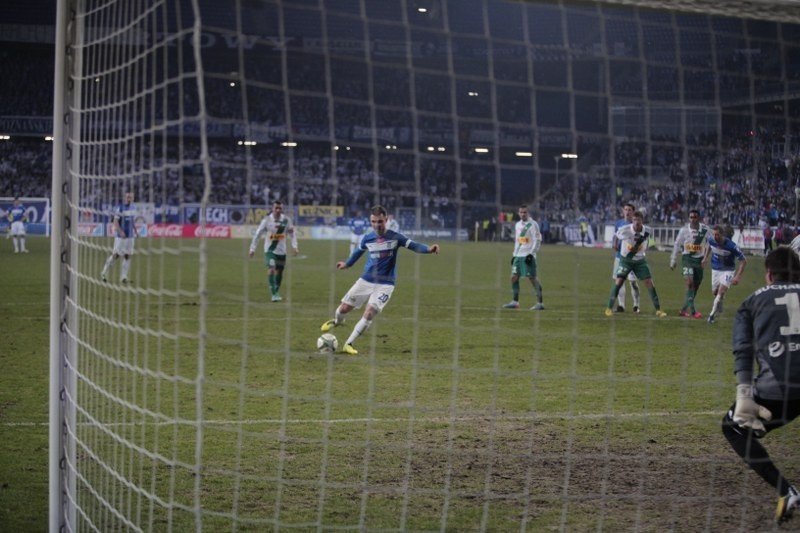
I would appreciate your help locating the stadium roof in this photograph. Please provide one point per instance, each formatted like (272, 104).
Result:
(775, 10)
(43, 11)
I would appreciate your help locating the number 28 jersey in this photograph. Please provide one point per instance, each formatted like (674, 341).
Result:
(766, 330)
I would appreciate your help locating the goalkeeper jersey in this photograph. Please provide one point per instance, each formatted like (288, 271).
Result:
(766, 331)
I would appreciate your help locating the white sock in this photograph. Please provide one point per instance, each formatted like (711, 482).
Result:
(360, 328)
(16, 244)
(621, 296)
(22, 244)
(126, 265)
(717, 301)
(108, 264)
(338, 317)
(635, 293)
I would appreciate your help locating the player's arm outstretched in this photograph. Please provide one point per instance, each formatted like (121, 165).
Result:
(355, 256)
(418, 247)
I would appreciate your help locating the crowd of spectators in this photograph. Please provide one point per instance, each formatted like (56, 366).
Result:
(742, 185)
(736, 178)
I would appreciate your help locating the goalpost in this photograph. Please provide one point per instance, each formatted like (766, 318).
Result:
(185, 399)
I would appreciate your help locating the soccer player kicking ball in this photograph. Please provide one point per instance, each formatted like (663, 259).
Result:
(766, 332)
(376, 284)
(634, 240)
(724, 270)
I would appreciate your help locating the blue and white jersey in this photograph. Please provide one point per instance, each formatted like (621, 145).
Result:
(17, 213)
(359, 225)
(382, 251)
(723, 257)
(125, 214)
(618, 224)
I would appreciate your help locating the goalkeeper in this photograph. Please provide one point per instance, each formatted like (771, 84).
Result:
(767, 331)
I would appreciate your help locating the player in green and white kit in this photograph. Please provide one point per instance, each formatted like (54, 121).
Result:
(692, 241)
(634, 239)
(277, 226)
(527, 239)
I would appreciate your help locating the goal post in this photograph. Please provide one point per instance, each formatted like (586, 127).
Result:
(186, 388)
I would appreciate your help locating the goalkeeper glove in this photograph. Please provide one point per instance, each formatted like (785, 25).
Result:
(748, 414)
(529, 259)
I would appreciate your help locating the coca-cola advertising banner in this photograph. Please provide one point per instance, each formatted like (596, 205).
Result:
(163, 231)
(188, 231)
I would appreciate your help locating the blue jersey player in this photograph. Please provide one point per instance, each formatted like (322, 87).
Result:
(376, 284)
(359, 226)
(124, 230)
(17, 217)
(725, 271)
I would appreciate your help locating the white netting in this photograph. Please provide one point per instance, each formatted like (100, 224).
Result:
(191, 401)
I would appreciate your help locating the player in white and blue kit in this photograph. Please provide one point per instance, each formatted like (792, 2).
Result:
(124, 230)
(376, 284)
(359, 226)
(724, 268)
(17, 217)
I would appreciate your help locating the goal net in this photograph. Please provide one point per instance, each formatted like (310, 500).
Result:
(187, 391)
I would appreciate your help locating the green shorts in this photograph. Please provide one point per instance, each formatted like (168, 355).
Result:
(522, 269)
(278, 262)
(691, 267)
(639, 268)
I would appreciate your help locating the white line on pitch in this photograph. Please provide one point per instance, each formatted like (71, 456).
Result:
(437, 419)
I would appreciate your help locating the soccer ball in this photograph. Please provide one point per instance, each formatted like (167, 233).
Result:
(327, 343)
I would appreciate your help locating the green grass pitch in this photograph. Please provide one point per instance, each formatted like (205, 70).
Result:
(456, 415)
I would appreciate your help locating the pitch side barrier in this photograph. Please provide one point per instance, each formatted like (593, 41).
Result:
(246, 231)
(750, 239)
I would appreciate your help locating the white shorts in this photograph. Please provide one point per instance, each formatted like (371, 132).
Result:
(123, 246)
(374, 294)
(355, 239)
(631, 275)
(18, 228)
(721, 277)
